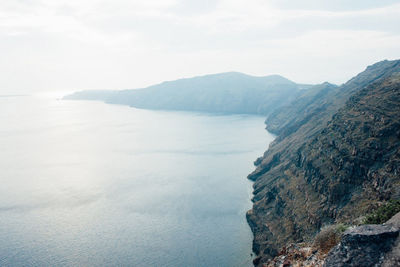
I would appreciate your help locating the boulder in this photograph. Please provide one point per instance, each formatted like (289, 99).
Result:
(366, 245)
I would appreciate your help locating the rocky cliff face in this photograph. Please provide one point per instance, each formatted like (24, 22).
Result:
(311, 102)
(335, 159)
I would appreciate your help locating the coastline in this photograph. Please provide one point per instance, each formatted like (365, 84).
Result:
(334, 161)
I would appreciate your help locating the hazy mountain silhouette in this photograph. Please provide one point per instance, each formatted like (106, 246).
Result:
(230, 92)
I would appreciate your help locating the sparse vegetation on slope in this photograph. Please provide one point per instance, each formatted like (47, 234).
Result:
(383, 213)
(334, 167)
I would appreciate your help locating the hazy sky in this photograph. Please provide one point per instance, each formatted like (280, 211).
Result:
(115, 44)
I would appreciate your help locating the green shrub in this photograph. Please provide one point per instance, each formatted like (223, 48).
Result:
(340, 228)
(383, 213)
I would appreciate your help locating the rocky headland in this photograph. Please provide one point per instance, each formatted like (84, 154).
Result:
(336, 159)
(229, 93)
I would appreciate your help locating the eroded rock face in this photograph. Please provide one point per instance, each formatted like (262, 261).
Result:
(392, 258)
(332, 167)
(365, 245)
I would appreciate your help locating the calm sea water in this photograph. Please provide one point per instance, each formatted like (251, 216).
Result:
(91, 184)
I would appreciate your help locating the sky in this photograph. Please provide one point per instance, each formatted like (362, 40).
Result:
(51, 45)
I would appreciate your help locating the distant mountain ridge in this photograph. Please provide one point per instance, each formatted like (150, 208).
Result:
(230, 92)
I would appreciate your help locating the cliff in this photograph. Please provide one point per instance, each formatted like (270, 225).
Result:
(337, 157)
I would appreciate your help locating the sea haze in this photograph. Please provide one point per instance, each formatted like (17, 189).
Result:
(86, 183)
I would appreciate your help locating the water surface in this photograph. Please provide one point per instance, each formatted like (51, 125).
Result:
(86, 183)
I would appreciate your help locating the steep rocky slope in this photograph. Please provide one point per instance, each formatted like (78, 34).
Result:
(230, 92)
(286, 119)
(340, 159)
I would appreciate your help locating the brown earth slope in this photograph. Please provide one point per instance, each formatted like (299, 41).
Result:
(340, 158)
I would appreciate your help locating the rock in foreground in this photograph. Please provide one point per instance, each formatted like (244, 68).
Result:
(365, 245)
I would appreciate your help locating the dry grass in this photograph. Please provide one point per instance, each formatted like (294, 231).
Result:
(328, 237)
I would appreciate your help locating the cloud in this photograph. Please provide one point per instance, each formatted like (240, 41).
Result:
(125, 44)
(337, 5)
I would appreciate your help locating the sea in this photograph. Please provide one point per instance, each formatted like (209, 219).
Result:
(85, 183)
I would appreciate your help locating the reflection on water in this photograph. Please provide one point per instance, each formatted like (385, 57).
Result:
(85, 183)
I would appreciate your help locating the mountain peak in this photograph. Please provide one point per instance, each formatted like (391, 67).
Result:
(235, 76)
